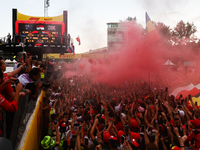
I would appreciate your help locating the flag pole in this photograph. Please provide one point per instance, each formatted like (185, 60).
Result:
(150, 29)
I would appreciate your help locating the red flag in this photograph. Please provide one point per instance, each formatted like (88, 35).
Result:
(78, 40)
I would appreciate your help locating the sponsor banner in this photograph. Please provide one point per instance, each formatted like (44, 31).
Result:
(32, 18)
(73, 56)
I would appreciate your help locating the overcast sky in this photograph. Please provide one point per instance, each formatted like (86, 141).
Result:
(88, 18)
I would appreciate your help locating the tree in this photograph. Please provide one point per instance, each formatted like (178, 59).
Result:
(164, 31)
(184, 33)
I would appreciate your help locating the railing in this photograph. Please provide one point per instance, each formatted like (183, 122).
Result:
(26, 107)
(25, 110)
(31, 137)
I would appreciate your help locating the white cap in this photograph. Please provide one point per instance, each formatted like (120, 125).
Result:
(182, 113)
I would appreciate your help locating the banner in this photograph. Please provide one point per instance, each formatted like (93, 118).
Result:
(32, 18)
(73, 56)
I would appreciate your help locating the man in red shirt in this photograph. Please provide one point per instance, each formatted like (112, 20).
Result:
(6, 105)
(8, 90)
(10, 100)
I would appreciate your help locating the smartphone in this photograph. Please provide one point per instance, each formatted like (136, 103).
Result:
(186, 126)
(179, 106)
(24, 56)
(16, 81)
(55, 121)
(123, 138)
(86, 141)
(80, 127)
(126, 129)
(189, 97)
(192, 140)
(182, 102)
(142, 130)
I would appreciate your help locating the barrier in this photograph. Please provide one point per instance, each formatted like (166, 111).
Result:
(32, 134)
(20, 120)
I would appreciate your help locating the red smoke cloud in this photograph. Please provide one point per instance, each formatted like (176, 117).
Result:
(136, 59)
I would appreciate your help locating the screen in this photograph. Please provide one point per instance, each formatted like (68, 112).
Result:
(52, 27)
(46, 28)
(40, 27)
(29, 27)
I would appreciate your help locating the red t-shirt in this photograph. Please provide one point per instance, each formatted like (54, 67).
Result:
(8, 106)
(8, 88)
(119, 126)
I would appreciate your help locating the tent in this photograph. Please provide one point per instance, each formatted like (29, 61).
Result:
(169, 63)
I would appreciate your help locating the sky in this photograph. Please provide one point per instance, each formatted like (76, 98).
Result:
(88, 18)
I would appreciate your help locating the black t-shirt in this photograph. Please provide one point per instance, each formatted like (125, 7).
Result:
(31, 86)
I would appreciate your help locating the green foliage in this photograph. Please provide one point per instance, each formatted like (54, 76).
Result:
(182, 34)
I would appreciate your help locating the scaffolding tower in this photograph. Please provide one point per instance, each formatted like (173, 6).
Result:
(46, 5)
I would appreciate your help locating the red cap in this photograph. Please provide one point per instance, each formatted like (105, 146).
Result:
(119, 134)
(175, 148)
(113, 138)
(196, 122)
(92, 112)
(63, 124)
(106, 136)
(162, 128)
(133, 141)
(103, 117)
(134, 123)
(135, 136)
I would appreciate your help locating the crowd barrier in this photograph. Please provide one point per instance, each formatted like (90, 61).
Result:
(26, 130)
(32, 134)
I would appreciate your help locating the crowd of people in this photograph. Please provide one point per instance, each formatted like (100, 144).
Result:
(24, 82)
(79, 114)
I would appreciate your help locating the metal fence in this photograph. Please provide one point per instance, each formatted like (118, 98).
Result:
(20, 120)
